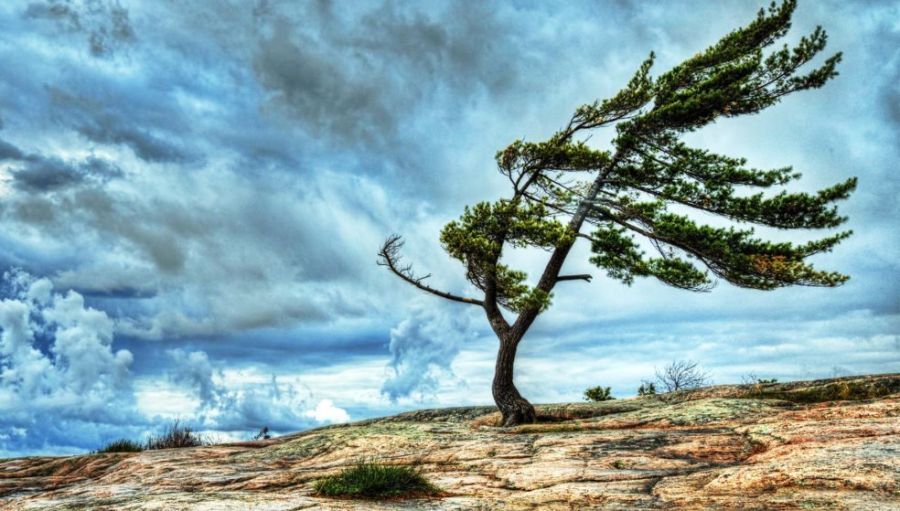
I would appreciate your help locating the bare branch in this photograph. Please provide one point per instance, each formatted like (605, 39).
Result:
(682, 375)
(581, 276)
(389, 256)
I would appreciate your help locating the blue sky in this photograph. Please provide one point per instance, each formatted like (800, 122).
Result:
(192, 195)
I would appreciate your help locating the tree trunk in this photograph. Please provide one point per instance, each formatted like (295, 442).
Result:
(514, 408)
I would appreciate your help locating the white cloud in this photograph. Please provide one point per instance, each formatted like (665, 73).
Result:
(240, 403)
(424, 346)
(79, 378)
(325, 411)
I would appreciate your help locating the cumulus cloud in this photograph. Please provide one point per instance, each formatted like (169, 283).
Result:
(326, 412)
(423, 348)
(64, 388)
(75, 379)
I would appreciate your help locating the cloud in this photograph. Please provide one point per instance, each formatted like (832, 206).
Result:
(79, 379)
(326, 412)
(423, 348)
(355, 76)
(65, 389)
(39, 173)
(247, 406)
(104, 23)
(107, 121)
(194, 370)
(9, 151)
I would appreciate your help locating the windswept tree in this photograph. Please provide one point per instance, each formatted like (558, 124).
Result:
(646, 187)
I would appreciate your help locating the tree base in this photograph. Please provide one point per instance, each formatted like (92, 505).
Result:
(517, 411)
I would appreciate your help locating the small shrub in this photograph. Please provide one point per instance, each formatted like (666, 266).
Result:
(263, 434)
(647, 389)
(373, 481)
(122, 445)
(681, 375)
(752, 379)
(597, 394)
(176, 436)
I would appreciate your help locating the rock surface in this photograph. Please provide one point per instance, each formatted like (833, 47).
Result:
(828, 444)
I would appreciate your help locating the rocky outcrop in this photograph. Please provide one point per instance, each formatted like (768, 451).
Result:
(830, 444)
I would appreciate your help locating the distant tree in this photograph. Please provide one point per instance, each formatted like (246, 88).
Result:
(262, 434)
(564, 186)
(681, 375)
(647, 389)
(598, 394)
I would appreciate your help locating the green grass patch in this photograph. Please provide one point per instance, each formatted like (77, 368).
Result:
(376, 481)
(122, 445)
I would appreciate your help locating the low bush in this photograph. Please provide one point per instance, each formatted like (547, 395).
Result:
(752, 379)
(647, 389)
(262, 434)
(682, 375)
(597, 394)
(374, 481)
(121, 445)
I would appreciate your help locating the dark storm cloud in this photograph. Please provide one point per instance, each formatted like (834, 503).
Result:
(39, 173)
(104, 23)
(358, 76)
(9, 151)
(114, 121)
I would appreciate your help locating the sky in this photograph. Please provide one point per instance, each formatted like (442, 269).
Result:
(193, 193)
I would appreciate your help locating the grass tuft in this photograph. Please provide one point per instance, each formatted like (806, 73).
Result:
(176, 436)
(374, 481)
(122, 445)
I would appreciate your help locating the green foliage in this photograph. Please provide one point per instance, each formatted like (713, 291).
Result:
(630, 190)
(598, 394)
(121, 445)
(374, 481)
(647, 389)
(477, 241)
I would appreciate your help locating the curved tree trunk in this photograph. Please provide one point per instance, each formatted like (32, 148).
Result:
(514, 408)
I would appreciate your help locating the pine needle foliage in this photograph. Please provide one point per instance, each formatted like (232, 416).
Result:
(597, 394)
